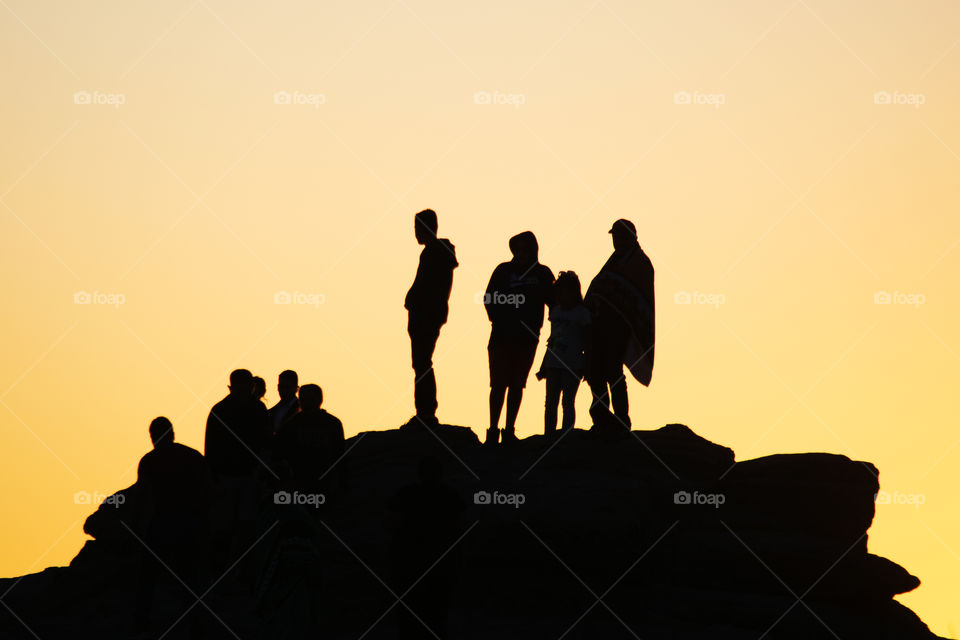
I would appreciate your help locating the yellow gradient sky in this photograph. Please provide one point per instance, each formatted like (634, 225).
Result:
(783, 189)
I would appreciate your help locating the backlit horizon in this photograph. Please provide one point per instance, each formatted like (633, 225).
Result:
(791, 168)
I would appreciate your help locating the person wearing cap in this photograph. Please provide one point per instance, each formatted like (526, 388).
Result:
(621, 303)
(514, 301)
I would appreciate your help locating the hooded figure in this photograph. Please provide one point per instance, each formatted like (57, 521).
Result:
(427, 306)
(515, 298)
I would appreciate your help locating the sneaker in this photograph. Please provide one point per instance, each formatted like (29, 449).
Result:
(508, 437)
(493, 437)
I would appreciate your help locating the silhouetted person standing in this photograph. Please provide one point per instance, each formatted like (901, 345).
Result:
(235, 445)
(516, 295)
(621, 303)
(173, 484)
(259, 389)
(567, 350)
(425, 527)
(236, 429)
(426, 303)
(309, 444)
(287, 386)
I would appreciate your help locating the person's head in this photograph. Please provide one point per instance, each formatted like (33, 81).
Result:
(259, 387)
(241, 382)
(311, 397)
(425, 226)
(430, 470)
(567, 288)
(524, 248)
(624, 234)
(161, 431)
(288, 384)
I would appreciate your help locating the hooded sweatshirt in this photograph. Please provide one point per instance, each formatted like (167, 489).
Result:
(428, 296)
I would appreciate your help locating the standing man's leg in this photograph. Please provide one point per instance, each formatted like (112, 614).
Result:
(423, 342)
(596, 376)
(570, 384)
(498, 390)
(521, 355)
(497, 394)
(621, 405)
(552, 400)
(514, 398)
(619, 335)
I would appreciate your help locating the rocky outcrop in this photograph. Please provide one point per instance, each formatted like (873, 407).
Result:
(653, 534)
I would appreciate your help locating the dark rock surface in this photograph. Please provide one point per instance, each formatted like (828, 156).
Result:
(653, 534)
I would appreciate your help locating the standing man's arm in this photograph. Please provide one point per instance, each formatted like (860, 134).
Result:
(546, 286)
(210, 437)
(488, 297)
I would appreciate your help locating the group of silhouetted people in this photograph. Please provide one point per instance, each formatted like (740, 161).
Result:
(195, 507)
(217, 506)
(592, 336)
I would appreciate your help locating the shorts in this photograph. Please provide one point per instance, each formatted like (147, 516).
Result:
(510, 361)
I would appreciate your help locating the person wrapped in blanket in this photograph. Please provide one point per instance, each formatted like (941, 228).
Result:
(621, 303)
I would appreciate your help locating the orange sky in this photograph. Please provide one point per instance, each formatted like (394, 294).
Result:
(790, 159)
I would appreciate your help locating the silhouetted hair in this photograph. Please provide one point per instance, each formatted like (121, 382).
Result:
(161, 429)
(427, 219)
(311, 396)
(289, 376)
(259, 387)
(525, 239)
(568, 280)
(240, 377)
(430, 470)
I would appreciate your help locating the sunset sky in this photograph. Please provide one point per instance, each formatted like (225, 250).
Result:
(791, 166)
